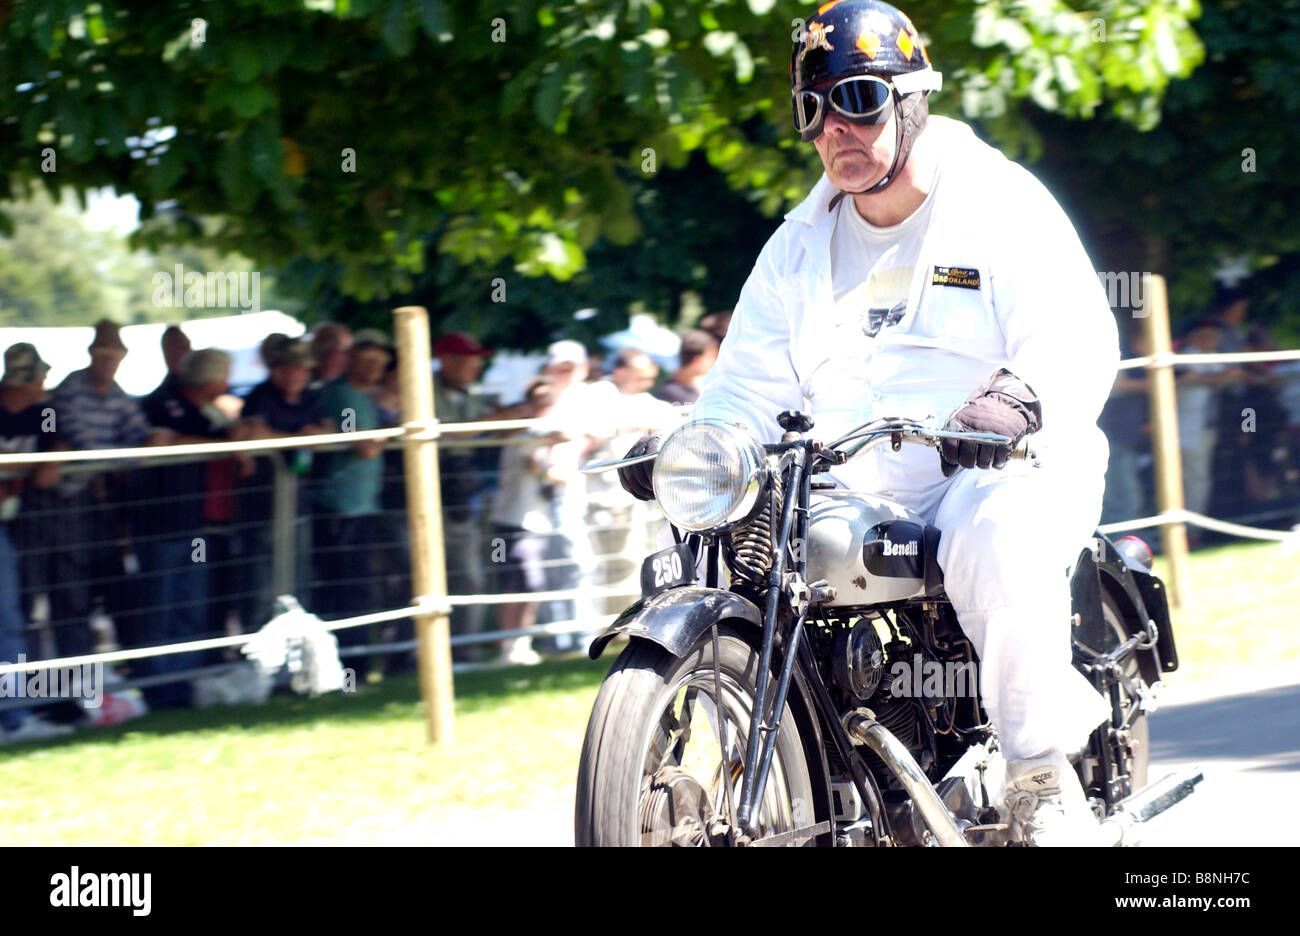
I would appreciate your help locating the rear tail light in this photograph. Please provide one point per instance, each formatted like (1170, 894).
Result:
(1135, 551)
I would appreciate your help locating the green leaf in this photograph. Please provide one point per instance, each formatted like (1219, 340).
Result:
(164, 176)
(395, 31)
(244, 61)
(1013, 35)
(111, 128)
(719, 43)
(249, 100)
(433, 19)
(744, 63)
(546, 105)
(1167, 48)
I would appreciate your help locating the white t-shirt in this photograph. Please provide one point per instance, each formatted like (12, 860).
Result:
(520, 499)
(872, 267)
(1196, 404)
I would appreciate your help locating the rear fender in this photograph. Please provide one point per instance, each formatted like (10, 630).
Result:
(1142, 596)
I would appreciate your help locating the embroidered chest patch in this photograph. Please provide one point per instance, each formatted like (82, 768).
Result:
(965, 277)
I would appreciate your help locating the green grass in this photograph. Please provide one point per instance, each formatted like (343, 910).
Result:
(1238, 612)
(342, 768)
(356, 768)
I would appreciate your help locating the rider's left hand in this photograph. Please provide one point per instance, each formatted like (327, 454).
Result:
(1007, 406)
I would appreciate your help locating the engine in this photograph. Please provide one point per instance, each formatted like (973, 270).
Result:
(882, 675)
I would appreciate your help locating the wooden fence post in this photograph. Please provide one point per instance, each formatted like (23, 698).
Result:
(424, 517)
(1164, 431)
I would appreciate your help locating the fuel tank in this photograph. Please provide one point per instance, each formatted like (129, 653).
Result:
(871, 549)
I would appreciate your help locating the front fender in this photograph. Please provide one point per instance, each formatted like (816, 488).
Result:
(675, 619)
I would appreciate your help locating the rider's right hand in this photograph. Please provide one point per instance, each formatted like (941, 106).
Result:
(636, 479)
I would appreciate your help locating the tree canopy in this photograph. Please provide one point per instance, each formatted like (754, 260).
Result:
(378, 148)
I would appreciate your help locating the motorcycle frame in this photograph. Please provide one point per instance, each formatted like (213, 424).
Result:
(765, 722)
(1137, 590)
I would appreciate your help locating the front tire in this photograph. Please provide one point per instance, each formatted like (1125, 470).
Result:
(651, 771)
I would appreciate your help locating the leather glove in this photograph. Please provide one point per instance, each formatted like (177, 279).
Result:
(1006, 405)
(636, 479)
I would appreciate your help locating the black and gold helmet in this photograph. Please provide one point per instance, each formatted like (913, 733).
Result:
(859, 57)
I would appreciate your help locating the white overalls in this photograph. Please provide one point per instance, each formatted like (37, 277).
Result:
(1001, 281)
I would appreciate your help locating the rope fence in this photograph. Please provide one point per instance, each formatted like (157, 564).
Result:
(283, 492)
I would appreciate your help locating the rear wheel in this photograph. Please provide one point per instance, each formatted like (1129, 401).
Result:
(1138, 743)
(653, 770)
(1135, 737)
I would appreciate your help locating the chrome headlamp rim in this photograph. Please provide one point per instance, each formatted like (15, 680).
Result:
(753, 466)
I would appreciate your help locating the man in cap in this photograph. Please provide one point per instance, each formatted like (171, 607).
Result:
(175, 519)
(465, 474)
(698, 353)
(24, 425)
(927, 275)
(330, 342)
(620, 528)
(282, 405)
(175, 345)
(92, 412)
(586, 415)
(348, 493)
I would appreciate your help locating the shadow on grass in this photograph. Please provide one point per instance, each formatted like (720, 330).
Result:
(395, 698)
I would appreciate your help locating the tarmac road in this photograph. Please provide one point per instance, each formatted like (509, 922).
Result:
(1247, 743)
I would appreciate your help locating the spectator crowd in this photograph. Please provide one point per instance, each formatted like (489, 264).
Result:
(1238, 424)
(158, 551)
(134, 554)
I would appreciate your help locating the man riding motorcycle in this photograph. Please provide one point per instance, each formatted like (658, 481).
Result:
(926, 274)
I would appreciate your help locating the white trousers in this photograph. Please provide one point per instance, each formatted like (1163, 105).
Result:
(1007, 538)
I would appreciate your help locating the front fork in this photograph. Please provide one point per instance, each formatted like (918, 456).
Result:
(764, 723)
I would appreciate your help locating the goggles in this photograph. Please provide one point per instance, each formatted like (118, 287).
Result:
(859, 99)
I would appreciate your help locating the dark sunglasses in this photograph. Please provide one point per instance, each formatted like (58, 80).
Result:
(859, 99)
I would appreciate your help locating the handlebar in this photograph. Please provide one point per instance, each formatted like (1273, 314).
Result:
(894, 431)
(916, 433)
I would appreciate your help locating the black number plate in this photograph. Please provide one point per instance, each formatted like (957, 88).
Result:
(668, 568)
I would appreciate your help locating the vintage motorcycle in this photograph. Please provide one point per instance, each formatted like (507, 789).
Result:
(820, 601)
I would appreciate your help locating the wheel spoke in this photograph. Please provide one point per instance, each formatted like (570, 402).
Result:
(692, 773)
(684, 723)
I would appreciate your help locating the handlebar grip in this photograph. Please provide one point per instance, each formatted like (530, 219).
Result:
(1022, 451)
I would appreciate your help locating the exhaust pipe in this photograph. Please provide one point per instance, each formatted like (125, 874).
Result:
(862, 725)
(1145, 805)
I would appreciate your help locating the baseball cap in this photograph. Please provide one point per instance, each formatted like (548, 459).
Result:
(370, 337)
(566, 352)
(108, 337)
(23, 365)
(459, 343)
(292, 351)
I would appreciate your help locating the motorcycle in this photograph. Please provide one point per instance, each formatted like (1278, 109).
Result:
(828, 605)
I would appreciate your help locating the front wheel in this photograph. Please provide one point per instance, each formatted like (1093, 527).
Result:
(653, 765)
